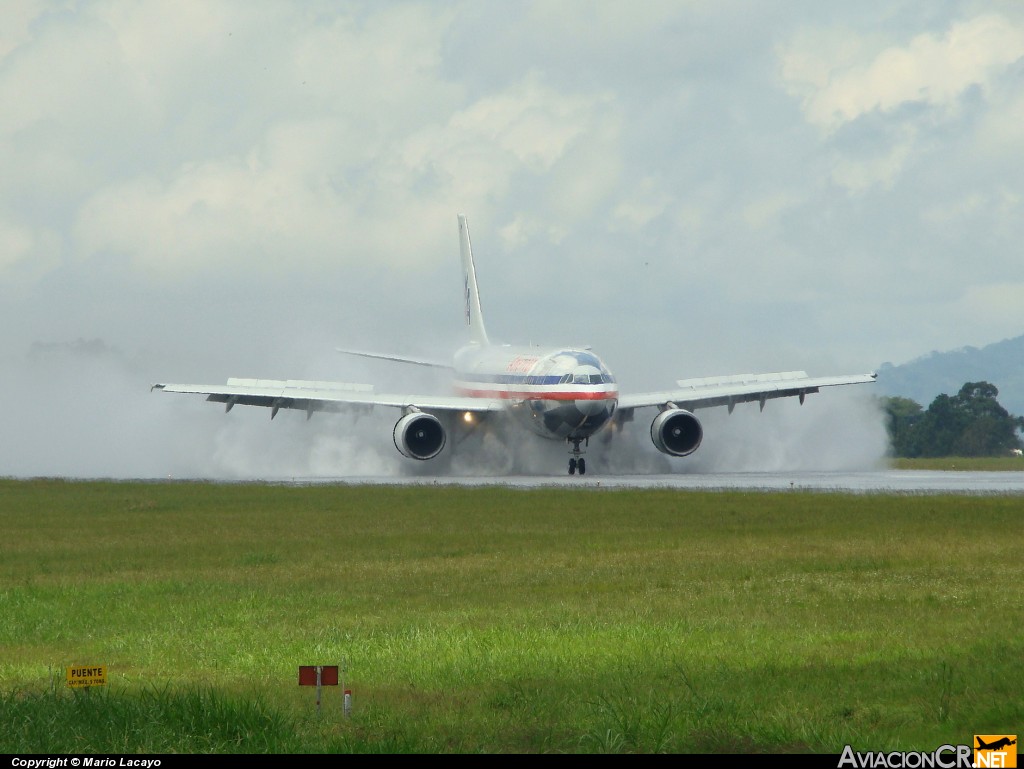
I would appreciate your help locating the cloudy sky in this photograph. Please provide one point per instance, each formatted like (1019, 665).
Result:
(197, 190)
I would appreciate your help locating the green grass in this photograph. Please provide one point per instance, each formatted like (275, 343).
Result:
(506, 621)
(973, 464)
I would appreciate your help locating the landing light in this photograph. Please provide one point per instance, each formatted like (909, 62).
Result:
(468, 417)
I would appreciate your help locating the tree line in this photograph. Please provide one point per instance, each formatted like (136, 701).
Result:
(968, 424)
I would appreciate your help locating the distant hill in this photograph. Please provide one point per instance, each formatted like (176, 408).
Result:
(937, 373)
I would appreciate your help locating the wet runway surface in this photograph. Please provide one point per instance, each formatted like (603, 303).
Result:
(881, 481)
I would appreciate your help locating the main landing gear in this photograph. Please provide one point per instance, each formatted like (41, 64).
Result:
(577, 462)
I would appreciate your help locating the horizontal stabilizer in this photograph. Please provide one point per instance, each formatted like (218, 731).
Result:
(396, 358)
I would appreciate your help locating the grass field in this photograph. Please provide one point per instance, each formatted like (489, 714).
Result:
(973, 464)
(506, 621)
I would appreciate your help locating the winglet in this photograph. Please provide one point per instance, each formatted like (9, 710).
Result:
(474, 317)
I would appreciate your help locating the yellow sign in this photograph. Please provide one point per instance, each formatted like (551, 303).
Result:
(87, 675)
(998, 751)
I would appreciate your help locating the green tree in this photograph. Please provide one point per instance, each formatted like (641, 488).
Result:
(989, 429)
(968, 424)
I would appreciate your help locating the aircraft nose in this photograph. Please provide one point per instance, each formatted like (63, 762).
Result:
(594, 406)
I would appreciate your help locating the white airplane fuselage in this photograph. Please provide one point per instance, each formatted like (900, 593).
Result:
(561, 393)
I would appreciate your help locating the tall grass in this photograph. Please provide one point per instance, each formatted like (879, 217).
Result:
(151, 720)
(504, 620)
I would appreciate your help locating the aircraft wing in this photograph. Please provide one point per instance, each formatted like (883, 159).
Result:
(693, 394)
(310, 396)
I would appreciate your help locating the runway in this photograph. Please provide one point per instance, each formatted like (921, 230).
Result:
(867, 482)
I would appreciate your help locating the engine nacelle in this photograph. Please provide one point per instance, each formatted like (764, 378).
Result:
(419, 436)
(677, 432)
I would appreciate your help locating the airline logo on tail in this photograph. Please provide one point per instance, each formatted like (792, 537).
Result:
(995, 750)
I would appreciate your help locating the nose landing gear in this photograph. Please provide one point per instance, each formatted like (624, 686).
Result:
(577, 462)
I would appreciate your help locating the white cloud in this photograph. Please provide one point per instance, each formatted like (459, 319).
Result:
(281, 199)
(610, 23)
(210, 134)
(16, 17)
(532, 123)
(999, 137)
(860, 172)
(993, 305)
(929, 69)
(999, 202)
(880, 107)
(765, 211)
(526, 130)
(646, 201)
(27, 254)
(15, 244)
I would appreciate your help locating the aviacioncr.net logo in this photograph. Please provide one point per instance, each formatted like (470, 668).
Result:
(943, 757)
(998, 751)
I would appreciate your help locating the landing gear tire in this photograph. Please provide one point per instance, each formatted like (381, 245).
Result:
(576, 462)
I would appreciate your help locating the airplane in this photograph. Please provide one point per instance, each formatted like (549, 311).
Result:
(559, 393)
(1002, 742)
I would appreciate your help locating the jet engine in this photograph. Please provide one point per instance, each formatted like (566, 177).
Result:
(419, 436)
(676, 431)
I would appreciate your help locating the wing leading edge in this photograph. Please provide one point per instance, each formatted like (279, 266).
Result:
(693, 394)
(311, 396)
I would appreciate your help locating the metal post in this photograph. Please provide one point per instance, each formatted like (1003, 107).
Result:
(319, 670)
(346, 695)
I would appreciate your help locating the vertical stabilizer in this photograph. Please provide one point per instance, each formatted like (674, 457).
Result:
(474, 318)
